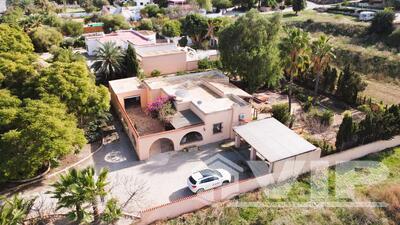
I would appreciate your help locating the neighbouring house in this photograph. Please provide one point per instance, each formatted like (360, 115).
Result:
(207, 107)
(121, 38)
(167, 58)
(130, 13)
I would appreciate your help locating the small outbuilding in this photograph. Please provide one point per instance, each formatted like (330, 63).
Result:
(284, 151)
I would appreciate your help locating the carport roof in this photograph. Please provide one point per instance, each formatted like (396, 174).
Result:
(273, 140)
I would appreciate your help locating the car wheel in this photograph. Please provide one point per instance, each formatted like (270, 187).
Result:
(200, 190)
(225, 182)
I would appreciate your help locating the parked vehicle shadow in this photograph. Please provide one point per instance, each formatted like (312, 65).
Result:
(181, 193)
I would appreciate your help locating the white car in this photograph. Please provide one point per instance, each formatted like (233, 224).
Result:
(366, 16)
(207, 179)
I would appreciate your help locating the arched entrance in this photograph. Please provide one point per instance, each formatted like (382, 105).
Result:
(191, 137)
(160, 146)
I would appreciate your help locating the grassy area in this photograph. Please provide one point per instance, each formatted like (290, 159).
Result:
(299, 191)
(321, 17)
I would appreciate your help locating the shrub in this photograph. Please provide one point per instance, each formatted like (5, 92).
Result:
(326, 147)
(155, 73)
(151, 10)
(326, 117)
(391, 196)
(43, 38)
(346, 135)
(166, 111)
(183, 41)
(281, 112)
(146, 24)
(113, 23)
(394, 38)
(383, 22)
(72, 28)
(205, 64)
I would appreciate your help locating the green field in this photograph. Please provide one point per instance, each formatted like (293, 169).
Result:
(298, 193)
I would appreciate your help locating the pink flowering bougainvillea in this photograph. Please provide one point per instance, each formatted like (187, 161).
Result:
(154, 107)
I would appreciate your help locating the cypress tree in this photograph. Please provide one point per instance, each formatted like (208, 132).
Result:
(131, 63)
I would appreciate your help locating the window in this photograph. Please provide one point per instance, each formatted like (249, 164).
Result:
(208, 179)
(217, 128)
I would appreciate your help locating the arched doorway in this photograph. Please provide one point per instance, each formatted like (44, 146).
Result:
(191, 137)
(160, 146)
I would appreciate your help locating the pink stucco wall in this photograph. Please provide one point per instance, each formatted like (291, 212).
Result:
(166, 64)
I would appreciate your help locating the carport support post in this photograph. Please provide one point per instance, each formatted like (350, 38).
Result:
(252, 154)
(237, 141)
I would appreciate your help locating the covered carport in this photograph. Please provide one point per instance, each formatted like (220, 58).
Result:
(283, 151)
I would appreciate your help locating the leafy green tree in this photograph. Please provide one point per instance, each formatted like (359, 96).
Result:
(322, 54)
(113, 23)
(67, 55)
(131, 63)
(382, 23)
(298, 5)
(108, 64)
(18, 73)
(78, 188)
(252, 40)
(9, 108)
(195, 26)
(74, 85)
(222, 4)
(13, 211)
(72, 28)
(42, 132)
(151, 10)
(146, 24)
(295, 55)
(112, 213)
(13, 39)
(349, 85)
(346, 134)
(43, 38)
(172, 28)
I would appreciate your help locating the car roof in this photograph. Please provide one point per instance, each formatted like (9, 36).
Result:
(203, 173)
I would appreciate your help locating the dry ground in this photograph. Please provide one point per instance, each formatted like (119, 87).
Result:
(384, 91)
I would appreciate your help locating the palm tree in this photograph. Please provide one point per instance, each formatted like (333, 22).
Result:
(70, 194)
(13, 211)
(94, 188)
(108, 64)
(78, 187)
(322, 54)
(295, 55)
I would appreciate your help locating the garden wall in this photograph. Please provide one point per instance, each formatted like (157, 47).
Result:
(207, 198)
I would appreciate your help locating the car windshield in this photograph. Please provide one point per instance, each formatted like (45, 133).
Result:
(192, 180)
(210, 172)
